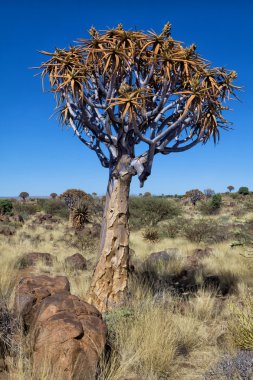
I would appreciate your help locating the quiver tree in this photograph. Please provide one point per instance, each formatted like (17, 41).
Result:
(230, 188)
(53, 195)
(120, 89)
(24, 195)
(74, 198)
(209, 193)
(194, 196)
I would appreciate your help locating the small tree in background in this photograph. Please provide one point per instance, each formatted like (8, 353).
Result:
(53, 195)
(194, 196)
(147, 194)
(230, 188)
(24, 195)
(244, 190)
(123, 89)
(209, 193)
(216, 201)
(80, 214)
(73, 198)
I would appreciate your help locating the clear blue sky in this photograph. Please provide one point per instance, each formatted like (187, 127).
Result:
(38, 156)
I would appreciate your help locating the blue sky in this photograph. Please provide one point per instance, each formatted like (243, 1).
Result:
(38, 156)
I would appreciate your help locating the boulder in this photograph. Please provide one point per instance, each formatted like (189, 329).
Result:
(32, 290)
(64, 331)
(31, 259)
(41, 218)
(161, 256)
(76, 262)
(198, 254)
(7, 230)
(69, 333)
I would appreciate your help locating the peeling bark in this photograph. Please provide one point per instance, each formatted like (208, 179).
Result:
(109, 282)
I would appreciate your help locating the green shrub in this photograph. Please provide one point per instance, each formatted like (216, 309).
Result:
(148, 211)
(244, 190)
(216, 201)
(212, 206)
(25, 209)
(6, 206)
(54, 207)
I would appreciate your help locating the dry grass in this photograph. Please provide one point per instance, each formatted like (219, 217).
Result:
(163, 340)
(156, 336)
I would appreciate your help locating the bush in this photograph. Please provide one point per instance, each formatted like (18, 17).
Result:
(216, 201)
(151, 234)
(212, 206)
(6, 206)
(205, 230)
(173, 228)
(54, 207)
(148, 211)
(25, 209)
(244, 190)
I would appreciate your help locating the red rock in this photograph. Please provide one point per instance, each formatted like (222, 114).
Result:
(31, 259)
(64, 331)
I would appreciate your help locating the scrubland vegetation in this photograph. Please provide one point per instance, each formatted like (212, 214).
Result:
(189, 313)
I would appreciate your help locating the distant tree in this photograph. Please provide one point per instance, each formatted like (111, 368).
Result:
(140, 194)
(230, 188)
(121, 89)
(209, 193)
(94, 194)
(24, 195)
(147, 194)
(194, 196)
(72, 198)
(53, 195)
(5, 206)
(244, 190)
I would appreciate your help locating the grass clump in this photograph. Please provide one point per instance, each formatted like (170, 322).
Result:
(241, 322)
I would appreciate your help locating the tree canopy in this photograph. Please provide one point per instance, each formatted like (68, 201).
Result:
(120, 88)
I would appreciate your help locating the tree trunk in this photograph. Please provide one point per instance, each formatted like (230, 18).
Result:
(109, 282)
(71, 217)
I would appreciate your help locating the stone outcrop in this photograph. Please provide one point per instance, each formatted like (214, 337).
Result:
(64, 331)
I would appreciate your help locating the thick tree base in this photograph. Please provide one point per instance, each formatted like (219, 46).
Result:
(109, 283)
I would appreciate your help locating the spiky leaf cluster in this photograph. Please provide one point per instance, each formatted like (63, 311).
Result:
(120, 88)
